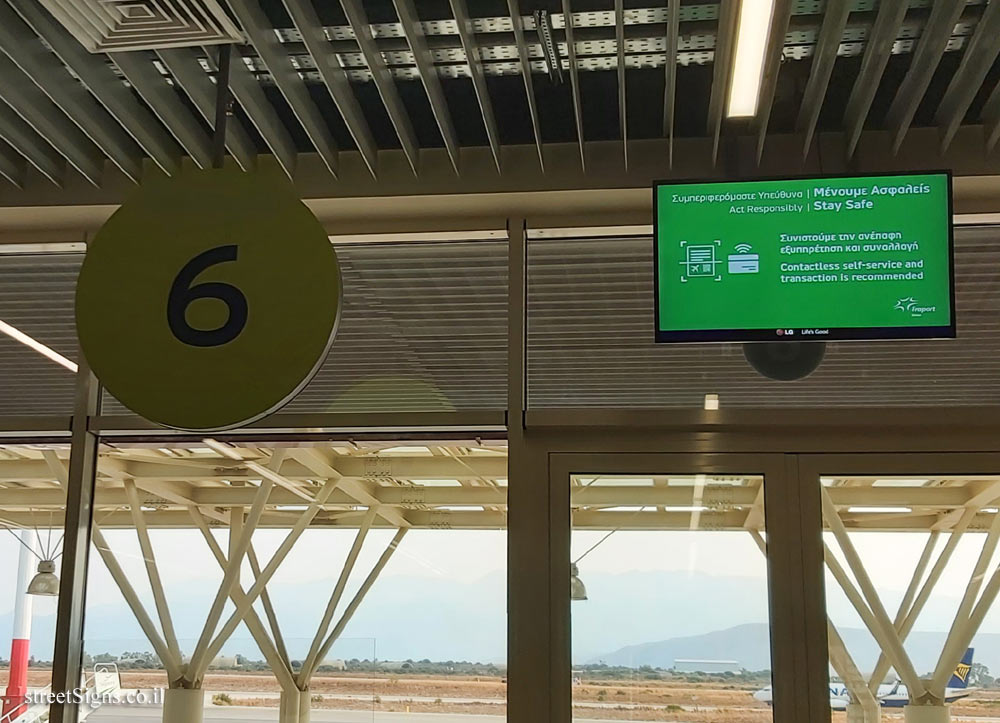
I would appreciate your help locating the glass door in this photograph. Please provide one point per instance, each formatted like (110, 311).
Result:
(912, 576)
(680, 585)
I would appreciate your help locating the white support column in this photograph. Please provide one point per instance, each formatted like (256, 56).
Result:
(173, 665)
(184, 705)
(900, 661)
(358, 597)
(927, 714)
(867, 709)
(338, 592)
(882, 668)
(265, 599)
(288, 708)
(965, 633)
(954, 646)
(305, 705)
(879, 623)
(202, 655)
(279, 663)
(268, 572)
(152, 571)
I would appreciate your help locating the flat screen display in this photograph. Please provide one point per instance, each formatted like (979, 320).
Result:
(805, 259)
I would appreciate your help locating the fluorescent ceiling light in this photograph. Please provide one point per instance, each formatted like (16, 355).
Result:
(694, 482)
(748, 61)
(880, 510)
(899, 483)
(43, 248)
(38, 346)
(711, 402)
(415, 451)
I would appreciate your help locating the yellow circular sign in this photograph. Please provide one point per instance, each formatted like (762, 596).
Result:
(209, 299)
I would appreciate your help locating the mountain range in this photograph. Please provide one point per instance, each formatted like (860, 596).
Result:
(631, 618)
(749, 646)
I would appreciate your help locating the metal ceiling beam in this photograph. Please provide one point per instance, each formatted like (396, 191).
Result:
(574, 79)
(183, 65)
(248, 92)
(991, 118)
(774, 54)
(275, 58)
(930, 49)
(19, 42)
(332, 72)
(398, 115)
(824, 58)
(877, 51)
(732, 520)
(529, 88)
(670, 86)
(412, 27)
(32, 146)
(940, 499)
(97, 76)
(13, 167)
(722, 71)
(467, 34)
(47, 119)
(977, 60)
(138, 69)
(622, 101)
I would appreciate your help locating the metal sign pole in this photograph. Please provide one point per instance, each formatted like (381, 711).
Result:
(223, 106)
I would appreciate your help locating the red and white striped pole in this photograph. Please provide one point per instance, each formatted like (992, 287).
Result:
(20, 645)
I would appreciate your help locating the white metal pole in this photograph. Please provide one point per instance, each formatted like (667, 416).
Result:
(953, 643)
(965, 633)
(152, 570)
(359, 596)
(202, 655)
(279, 556)
(142, 617)
(280, 665)
(20, 643)
(882, 627)
(338, 592)
(899, 658)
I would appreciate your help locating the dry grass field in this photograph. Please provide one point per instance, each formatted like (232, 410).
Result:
(655, 700)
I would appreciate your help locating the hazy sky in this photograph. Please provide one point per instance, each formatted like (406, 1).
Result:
(465, 556)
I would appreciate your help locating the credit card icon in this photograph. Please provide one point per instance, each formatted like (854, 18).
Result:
(744, 263)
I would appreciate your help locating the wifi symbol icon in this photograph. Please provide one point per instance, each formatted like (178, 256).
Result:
(744, 248)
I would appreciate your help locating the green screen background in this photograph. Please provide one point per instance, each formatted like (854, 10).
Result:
(760, 301)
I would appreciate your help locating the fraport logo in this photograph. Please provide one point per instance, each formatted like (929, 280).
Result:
(912, 307)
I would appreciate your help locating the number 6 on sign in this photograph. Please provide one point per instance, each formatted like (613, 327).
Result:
(208, 300)
(182, 294)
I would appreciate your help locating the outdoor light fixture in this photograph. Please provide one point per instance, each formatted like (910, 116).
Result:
(712, 402)
(577, 590)
(38, 346)
(45, 583)
(748, 61)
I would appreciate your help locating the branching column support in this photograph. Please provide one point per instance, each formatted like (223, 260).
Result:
(843, 664)
(867, 602)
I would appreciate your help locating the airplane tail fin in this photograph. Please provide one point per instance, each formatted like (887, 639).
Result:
(960, 679)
